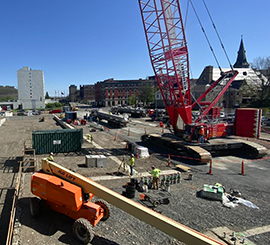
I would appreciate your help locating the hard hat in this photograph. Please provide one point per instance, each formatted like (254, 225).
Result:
(51, 153)
(132, 155)
(153, 166)
(201, 126)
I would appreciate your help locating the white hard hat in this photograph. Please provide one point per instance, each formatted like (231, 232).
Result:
(132, 155)
(51, 153)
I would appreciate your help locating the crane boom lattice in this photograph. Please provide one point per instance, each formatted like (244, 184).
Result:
(168, 51)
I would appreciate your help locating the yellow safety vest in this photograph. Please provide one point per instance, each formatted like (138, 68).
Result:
(131, 161)
(155, 172)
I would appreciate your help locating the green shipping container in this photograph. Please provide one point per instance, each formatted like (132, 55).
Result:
(57, 141)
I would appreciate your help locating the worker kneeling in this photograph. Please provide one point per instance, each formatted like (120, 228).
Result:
(155, 174)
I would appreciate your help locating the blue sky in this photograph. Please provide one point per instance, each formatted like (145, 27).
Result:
(82, 42)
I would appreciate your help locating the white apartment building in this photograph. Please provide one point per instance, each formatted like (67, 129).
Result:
(31, 93)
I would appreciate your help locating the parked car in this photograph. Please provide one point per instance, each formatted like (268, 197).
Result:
(21, 113)
(34, 112)
(55, 111)
(266, 122)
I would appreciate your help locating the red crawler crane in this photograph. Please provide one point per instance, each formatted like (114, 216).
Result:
(168, 51)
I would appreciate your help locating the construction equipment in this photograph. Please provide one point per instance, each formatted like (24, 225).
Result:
(166, 40)
(165, 34)
(65, 191)
(133, 111)
(69, 199)
(113, 120)
(157, 197)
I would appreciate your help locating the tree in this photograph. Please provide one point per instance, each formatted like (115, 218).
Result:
(261, 63)
(262, 95)
(54, 105)
(132, 99)
(147, 94)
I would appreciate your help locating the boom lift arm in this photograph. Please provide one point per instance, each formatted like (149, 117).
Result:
(167, 225)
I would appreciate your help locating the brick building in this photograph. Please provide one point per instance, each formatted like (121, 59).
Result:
(87, 92)
(116, 92)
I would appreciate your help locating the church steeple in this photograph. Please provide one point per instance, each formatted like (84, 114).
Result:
(241, 61)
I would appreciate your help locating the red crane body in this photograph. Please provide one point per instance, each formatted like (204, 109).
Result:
(165, 34)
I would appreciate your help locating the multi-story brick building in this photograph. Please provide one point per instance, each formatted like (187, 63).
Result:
(87, 92)
(116, 92)
(73, 93)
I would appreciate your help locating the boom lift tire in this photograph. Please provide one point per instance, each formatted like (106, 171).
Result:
(83, 230)
(35, 207)
(106, 207)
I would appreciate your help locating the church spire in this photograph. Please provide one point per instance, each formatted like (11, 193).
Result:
(241, 61)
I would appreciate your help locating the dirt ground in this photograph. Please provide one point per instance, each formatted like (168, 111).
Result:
(121, 228)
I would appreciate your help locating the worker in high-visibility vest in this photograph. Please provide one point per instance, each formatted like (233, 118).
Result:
(131, 164)
(50, 158)
(155, 174)
(201, 134)
(90, 137)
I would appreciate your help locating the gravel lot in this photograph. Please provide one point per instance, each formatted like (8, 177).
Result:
(122, 228)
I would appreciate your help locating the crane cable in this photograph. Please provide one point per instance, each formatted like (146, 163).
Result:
(207, 39)
(214, 26)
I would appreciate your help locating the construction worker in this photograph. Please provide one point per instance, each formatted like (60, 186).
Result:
(155, 174)
(50, 158)
(201, 134)
(131, 164)
(90, 137)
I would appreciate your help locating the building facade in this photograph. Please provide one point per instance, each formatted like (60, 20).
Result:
(117, 92)
(243, 88)
(31, 93)
(87, 92)
(73, 93)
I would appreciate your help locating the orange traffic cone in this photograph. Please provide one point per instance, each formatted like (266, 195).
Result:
(210, 168)
(137, 152)
(243, 168)
(169, 160)
(128, 132)
(115, 137)
(162, 130)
